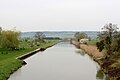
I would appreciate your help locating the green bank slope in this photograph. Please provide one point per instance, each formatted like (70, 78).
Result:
(8, 61)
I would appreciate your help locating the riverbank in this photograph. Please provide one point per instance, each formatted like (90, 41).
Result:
(22, 57)
(91, 50)
(9, 63)
(108, 66)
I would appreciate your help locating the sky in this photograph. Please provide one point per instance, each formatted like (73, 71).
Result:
(58, 15)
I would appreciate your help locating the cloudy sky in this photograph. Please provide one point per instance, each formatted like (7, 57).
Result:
(51, 15)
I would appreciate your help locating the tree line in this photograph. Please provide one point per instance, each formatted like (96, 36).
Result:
(10, 39)
(108, 40)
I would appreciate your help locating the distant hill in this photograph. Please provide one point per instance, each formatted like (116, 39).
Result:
(61, 34)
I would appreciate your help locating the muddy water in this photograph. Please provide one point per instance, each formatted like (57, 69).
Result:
(60, 62)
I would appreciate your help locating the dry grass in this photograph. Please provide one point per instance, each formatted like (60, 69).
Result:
(92, 51)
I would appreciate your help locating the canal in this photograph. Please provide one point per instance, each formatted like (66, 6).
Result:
(60, 62)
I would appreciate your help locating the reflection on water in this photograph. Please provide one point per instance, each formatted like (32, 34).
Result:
(60, 62)
(81, 52)
(100, 75)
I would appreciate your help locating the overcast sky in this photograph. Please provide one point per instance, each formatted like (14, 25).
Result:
(51, 15)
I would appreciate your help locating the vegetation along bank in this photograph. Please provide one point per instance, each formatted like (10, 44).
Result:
(105, 49)
(13, 50)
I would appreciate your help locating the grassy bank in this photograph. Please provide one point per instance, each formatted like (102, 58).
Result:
(110, 67)
(8, 66)
(8, 61)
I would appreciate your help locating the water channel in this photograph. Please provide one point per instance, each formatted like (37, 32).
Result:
(60, 62)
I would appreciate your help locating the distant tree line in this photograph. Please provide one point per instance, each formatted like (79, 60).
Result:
(80, 35)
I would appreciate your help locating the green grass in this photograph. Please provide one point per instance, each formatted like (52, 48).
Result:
(8, 61)
(8, 66)
(92, 42)
(118, 64)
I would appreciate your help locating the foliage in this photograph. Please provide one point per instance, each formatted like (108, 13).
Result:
(9, 39)
(100, 45)
(80, 35)
(108, 30)
(107, 38)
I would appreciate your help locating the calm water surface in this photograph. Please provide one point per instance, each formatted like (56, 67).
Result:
(60, 62)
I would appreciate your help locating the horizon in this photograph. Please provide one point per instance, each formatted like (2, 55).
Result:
(61, 31)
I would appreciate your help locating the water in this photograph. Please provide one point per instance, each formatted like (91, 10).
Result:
(60, 62)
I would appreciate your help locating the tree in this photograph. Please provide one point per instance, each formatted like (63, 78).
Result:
(80, 35)
(39, 38)
(9, 39)
(106, 38)
(39, 35)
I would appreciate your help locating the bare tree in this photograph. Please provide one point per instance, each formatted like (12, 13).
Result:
(39, 35)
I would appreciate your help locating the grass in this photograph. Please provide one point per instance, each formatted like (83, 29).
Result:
(8, 61)
(8, 66)
(92, 42)
(118, 64)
